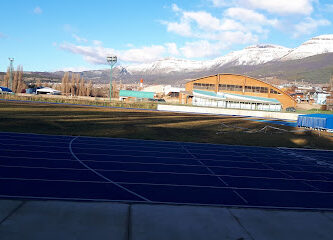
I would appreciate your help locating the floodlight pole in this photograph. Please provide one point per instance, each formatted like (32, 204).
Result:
(11, 73)
(112, 60)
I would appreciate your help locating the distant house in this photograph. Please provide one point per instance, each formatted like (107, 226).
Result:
(5, 90)
(172, 91)
(47, 90)
(320, 98)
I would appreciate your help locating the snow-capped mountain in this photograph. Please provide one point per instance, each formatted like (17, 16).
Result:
(168, 65)
(253, 55)
(317, 45)
(261, 60)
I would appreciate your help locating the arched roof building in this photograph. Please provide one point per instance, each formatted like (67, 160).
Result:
(247, 92)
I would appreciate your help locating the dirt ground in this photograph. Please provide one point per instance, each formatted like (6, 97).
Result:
(63, 119)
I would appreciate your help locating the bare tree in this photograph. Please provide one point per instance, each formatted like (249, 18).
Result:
(65, 84)
(20, 83)
(6, 78)
(15, 81)
(89, 89)
(38, 83)
(83, 88)
(73, 87)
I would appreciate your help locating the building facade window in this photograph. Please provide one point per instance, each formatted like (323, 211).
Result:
(204, 86)
(274, 91)
(227, 87)
(256, 89)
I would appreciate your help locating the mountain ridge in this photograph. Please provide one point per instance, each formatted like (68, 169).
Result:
(311, 61)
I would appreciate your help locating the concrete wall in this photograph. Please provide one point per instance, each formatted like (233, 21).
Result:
(263, 114)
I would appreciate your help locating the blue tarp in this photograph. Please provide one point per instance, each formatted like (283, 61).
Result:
(5, 89)
(323, 121)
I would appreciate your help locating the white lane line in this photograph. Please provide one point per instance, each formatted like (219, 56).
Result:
(213, 173)
(100, 175)
(292, 177)
(114, 147)
(177, 164)
(171, 185)
(254, 160)
(192, 144)
(182, 165)
(175, 173)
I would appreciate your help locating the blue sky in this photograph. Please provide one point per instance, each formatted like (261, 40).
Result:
(77, 35)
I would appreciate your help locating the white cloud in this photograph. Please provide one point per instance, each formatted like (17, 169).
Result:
(75, 69)
(230, 24)
(200, 24)
(97, 42)
(238, 37)
(283, 7)
(79, 39)
(38, 10)
(304, 7)
(221, 3)
(249, 16)
(175, 8)
(172, 49)
(205, 48)
(203, 19)
(97, 54)
(236, 26)
(202, 48)
(144, 54)
(309, 25)
(91, 54)
(182, 28)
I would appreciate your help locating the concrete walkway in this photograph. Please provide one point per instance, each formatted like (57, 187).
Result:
(34, 220)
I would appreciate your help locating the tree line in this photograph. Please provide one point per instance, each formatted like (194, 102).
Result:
(71, 85)
(17, 80)
(76, 86)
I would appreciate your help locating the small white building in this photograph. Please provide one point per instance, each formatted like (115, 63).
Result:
(47, 90)
(320, 98)
(172, 91)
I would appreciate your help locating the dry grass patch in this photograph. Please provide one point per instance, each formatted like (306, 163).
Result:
(128, 123)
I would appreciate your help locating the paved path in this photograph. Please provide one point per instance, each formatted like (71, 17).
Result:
(87, 220)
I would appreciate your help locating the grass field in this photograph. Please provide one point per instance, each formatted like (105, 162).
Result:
(79, 100)
(107, 122)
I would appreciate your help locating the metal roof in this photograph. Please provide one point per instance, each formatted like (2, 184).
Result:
(136, 94)
(240, 75)
(238, 97)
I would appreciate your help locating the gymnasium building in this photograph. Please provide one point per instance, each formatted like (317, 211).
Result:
(235, 91)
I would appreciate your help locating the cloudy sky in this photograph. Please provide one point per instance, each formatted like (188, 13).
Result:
(68, 35)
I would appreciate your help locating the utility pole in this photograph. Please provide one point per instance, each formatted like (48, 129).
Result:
(112, 60)
(11, 73)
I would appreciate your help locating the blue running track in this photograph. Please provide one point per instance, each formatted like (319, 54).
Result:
(36, 166)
